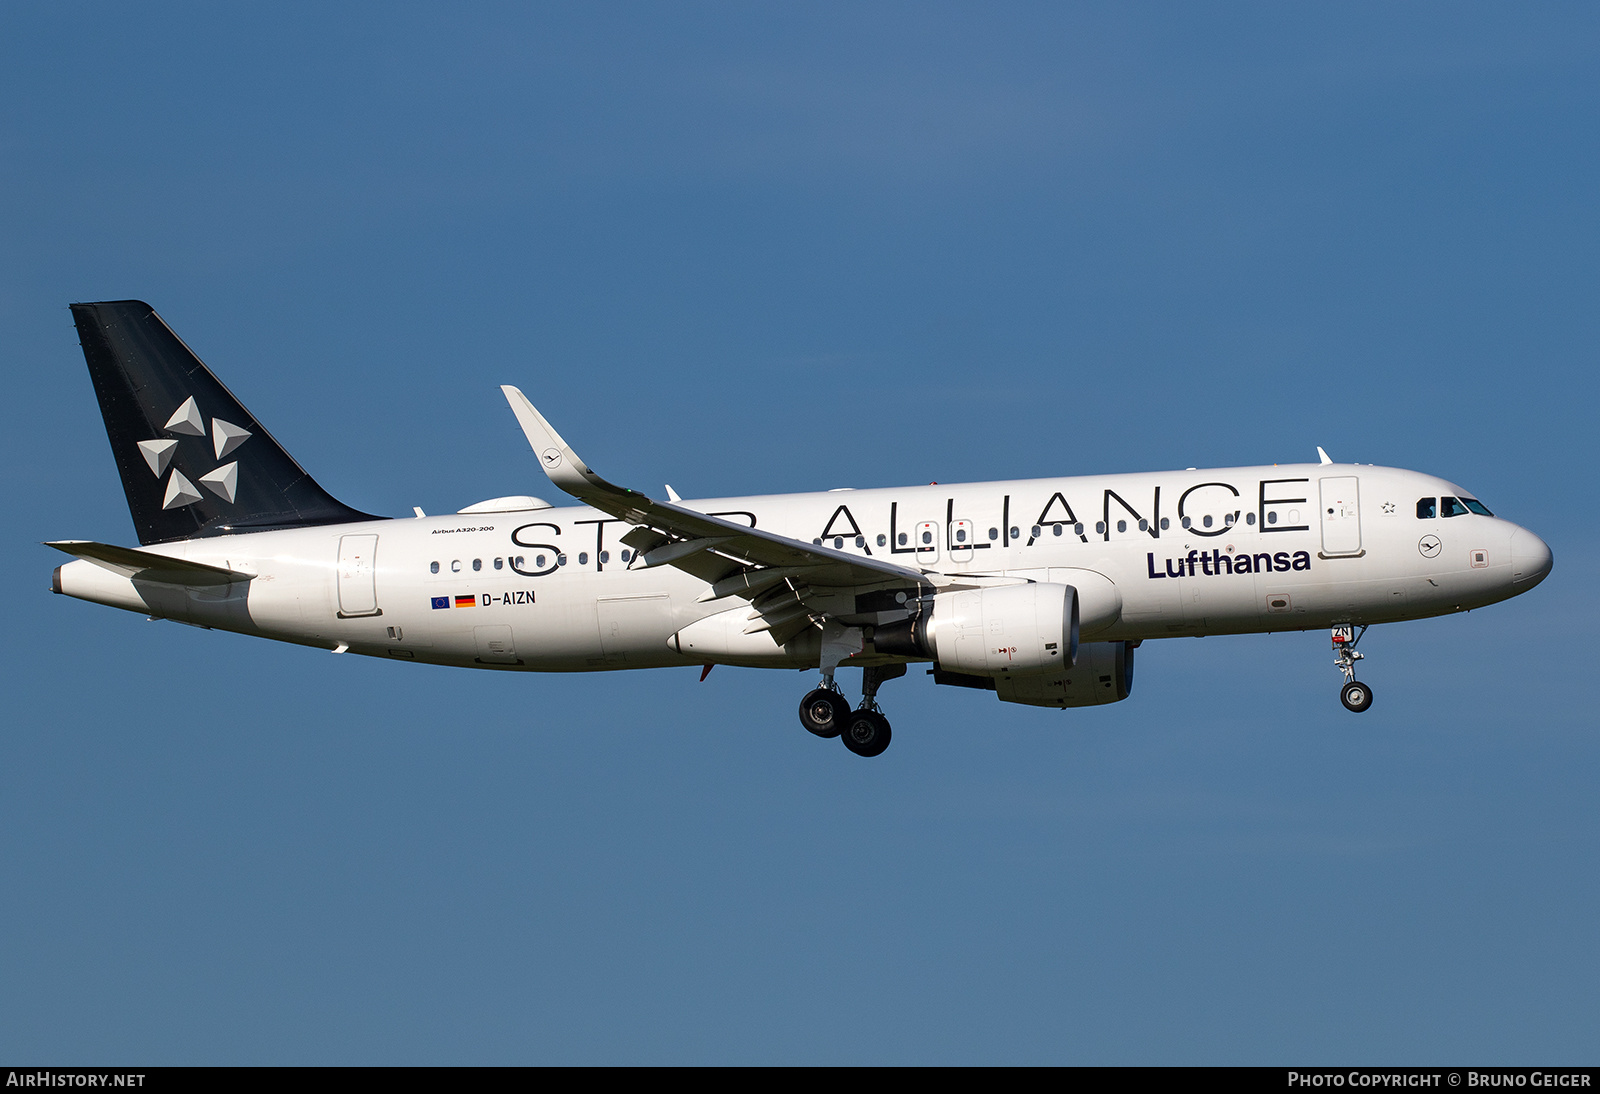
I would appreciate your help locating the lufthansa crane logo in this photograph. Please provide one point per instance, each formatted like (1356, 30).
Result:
(1429, 546)
(552, 457)
(187, 421)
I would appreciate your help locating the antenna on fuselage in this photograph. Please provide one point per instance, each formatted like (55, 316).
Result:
(1322, 456)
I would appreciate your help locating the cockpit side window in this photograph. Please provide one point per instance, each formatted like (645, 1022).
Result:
(1477, 507)
(1452, 507)
(1427, 508)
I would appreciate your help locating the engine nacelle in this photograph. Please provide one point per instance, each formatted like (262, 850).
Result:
(1103, 674)
(1012, 630)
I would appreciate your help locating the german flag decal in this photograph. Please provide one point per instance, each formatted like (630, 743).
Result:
(466, 601)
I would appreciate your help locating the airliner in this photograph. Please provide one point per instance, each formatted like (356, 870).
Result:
(1039, 590)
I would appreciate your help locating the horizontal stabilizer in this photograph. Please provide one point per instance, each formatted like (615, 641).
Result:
(147, 566)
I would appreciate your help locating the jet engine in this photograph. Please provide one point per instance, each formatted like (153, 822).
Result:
(1011, 630)
(1103, 674)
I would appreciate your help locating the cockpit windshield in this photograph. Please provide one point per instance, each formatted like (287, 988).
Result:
(1477, 507)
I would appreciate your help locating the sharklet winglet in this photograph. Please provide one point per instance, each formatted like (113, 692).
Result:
(563, 466)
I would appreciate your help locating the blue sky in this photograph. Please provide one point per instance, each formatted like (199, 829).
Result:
(745, 249)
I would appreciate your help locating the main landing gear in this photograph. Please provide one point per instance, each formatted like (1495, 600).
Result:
(865, 731)
(1355, 695)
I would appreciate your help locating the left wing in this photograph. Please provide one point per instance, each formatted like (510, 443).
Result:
(780, 573)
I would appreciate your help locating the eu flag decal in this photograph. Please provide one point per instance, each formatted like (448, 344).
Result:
(441, 602)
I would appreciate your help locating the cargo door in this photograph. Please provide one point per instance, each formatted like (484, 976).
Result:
(634, 628)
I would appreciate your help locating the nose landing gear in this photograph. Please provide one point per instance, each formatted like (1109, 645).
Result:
(1355, 696)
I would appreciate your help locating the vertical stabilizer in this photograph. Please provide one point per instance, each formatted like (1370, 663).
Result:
(193, 460)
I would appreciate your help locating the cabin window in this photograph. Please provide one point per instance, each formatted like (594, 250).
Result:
(816, 543)
(518, 561)
(1249, 518)
(1206, 520)
(1272, 517)
(902, 538)
(961, 535)
(1229, 518)
(538, 560)
(838, 542)
(433, 567)
(455, 566)
(1122, 526)
(1451, 507)
(1427, 508)
(927, 537)
(1144, 525)
(1477, 507)
(477, 564)
(883, 540)
(583, 558)
(561, 560)
(1077, 529)
(605, 556)
(1016, 533)
(1166, 522)
(499, 564)
(1187, 522)
(994, 534)
(861, 541)
(1099, 527)
(626, 555)
(1037, 531)
(1055, 529)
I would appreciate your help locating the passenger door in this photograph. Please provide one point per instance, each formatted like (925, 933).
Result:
(358, 591)
(1341, 517)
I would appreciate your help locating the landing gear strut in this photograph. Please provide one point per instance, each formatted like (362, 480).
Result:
(865, 731)
(1355, 696)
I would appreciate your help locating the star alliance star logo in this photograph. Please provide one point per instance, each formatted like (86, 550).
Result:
(225, 438)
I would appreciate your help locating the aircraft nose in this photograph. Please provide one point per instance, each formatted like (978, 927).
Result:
(1530, 558)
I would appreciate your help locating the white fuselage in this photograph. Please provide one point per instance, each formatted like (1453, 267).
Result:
(1183, 552)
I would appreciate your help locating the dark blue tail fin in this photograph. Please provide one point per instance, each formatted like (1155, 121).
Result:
(193, 460)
